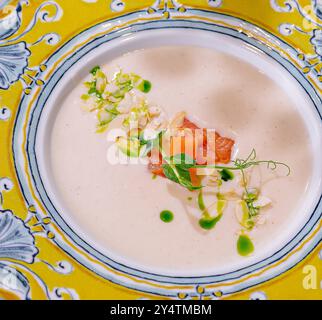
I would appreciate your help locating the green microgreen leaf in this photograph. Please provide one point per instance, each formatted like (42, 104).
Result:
(177, 170)
(170, 173)
(94, 70)
(85, 97)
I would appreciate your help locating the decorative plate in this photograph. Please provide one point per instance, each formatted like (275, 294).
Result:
(40, 41)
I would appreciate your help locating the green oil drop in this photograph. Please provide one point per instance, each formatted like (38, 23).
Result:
(166, 216)
(244, 245)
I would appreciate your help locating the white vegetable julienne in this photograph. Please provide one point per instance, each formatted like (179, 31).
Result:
(262, 202)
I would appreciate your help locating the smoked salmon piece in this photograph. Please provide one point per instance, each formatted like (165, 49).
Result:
(187, 124)
(156, 169)
(195, 179)
(222, 147)
(210, 143)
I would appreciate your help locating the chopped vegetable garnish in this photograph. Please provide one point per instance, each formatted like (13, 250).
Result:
(94, 70)
(110, 96)
(129, 146)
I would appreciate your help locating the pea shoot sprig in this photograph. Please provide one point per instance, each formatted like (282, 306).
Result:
(179, 173)
(250, 161)
(250, 197)
(238, 165)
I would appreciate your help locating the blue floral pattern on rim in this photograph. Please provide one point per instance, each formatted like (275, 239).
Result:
(317, 42)
(13, 57)
(318, 8)
(14, 54)
(16, 240)
(312, 27)
(13, 61)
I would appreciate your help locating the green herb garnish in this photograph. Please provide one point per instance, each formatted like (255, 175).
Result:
(93, 91)
(250, 161)
(94, 70)
(250, 198)
(179, 172)
(109, 95)
(177, 169)
(241, 165)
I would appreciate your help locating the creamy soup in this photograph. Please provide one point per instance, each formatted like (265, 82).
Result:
(118, 207)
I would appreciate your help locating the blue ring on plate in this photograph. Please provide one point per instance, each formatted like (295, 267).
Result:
(32, 130)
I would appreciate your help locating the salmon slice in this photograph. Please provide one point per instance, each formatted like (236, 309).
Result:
(195, 179)
(156, 168)
(183, 145)
(187, 124)
(223, 149)
(219, 149)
